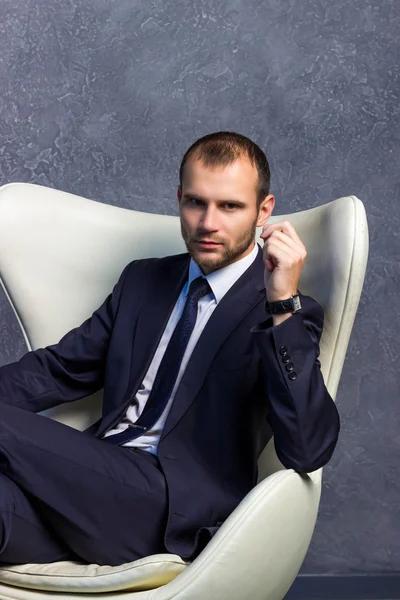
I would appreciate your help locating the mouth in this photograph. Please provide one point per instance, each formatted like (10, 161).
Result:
(207, 244)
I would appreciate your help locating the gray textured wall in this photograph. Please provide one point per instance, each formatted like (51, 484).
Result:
(101, 99)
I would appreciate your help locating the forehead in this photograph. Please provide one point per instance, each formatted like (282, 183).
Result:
(240, 178)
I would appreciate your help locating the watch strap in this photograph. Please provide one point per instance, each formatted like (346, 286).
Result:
(290, 305)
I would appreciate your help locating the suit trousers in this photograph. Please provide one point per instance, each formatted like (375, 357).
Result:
(65, 495)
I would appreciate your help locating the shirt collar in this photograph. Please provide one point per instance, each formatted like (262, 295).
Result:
(223, 279)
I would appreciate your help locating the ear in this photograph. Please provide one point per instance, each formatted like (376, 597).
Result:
(179, 193)
(265, 210)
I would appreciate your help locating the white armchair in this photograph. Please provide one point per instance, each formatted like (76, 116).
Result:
(60, 255)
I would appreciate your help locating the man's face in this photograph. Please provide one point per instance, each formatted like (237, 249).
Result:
(218, 212)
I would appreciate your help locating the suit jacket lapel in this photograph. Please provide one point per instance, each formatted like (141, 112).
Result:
(154, 316)
(157, 306)
(247, 291)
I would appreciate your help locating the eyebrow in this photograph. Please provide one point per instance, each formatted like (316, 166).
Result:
(188, 195)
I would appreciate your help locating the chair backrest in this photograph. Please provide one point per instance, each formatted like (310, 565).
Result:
(61, 254)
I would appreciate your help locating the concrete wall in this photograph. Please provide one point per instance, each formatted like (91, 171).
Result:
(102, 99)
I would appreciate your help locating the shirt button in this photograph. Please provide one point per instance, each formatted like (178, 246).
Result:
(141, 387)
(282, 350)
(292, 376)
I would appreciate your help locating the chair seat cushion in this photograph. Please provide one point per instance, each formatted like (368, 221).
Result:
(67, 576)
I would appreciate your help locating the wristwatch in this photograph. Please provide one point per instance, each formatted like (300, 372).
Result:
(291, 305)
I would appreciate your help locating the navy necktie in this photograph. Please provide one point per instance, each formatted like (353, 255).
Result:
(169, 367)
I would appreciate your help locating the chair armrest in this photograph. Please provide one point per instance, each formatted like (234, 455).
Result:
(259, 550)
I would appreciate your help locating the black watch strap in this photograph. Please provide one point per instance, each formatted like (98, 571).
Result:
(290, 305)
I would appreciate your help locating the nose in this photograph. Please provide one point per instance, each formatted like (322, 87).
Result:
(209, 220)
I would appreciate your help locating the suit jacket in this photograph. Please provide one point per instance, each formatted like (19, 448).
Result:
(235, 392)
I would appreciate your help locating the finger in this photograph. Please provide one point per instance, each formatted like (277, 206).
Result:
(269, 264)
(290, 231)
(275, 256)
(284, 226)
(277, 250)
(283, 237)
(268, 229)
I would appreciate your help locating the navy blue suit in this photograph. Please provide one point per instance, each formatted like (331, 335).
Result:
(234, 394)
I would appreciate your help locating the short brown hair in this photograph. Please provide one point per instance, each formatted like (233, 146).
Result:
(222, 148)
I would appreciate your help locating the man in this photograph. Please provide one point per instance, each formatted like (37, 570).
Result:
(197, 376)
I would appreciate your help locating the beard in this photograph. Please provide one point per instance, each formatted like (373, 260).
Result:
(230, 253)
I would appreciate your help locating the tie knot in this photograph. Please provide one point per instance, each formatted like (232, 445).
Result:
(198, 288)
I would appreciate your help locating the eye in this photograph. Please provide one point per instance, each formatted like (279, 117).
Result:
(230, 205)
(195, 201)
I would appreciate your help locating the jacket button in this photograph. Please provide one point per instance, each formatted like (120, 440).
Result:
(289, 367)
(285, 359)
(292, 376)
(283, 350)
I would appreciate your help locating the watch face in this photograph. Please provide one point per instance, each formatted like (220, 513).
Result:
(296, 303)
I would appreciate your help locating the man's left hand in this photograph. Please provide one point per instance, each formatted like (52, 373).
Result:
(284, 256)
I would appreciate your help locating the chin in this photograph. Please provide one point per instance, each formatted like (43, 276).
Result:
(207, 260)
(211, 265)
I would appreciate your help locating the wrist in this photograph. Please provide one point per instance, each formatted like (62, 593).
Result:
(280, 297)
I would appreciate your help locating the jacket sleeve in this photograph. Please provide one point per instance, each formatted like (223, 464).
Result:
(71, 369)
(302, 414)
